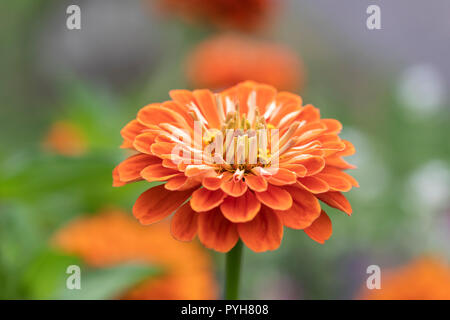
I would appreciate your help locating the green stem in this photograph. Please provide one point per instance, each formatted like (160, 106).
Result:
(232, 271)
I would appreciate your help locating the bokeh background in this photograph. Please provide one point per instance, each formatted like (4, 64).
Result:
(65, 95)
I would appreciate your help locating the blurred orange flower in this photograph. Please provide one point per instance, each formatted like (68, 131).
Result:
(65, 138)
(245, 15)
(226, 60)
(426, 278)
(256, 185)
(112, 237)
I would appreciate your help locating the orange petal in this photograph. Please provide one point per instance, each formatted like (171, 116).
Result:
(155, 114)
(130, 169)
(265, 94)
(180, 183)
(184, 223)
(207, 104)
(163, 149)
(335, 182)
(333, 125)
(309, 114)
(143, 142)
(241, 209)
(182, 97)
(156, 172)
(204, 200)
(275, 198)
(256, 183)
(313, 184)
(282, 177)
(305, 209)
(234, 188)
(157, 203)
(216, 232)
(313, 164)
(116, 178)
(130, 131)
(298, 169)
(348, 151)
(321, 228)
(336, 200)
(263, 233)
(212, 183)
(338, 162)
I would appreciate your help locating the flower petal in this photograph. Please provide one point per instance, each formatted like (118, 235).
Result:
(234, 188)
(256, 183)
(216, 232)
(305, 209)
(207, 104)
(130, 131)
(144, 141)
(336, 200)
(156, 172)
(275, 198)
(321, 228)
(282, 177)
(180, 183)
(130, 169)
(263, 233)
(313, 164)
(313, 184)
(157, 203)
(184, 223)
(204, 200)
(241, 209)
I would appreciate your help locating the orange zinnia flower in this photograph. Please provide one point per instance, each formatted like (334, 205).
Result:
(426, 278)
(245, 15)
(65, 138)
(237, 197)
(112, 238)
(226, 60)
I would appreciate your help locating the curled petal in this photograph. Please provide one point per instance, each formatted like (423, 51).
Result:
(155, 114)
(157, 203)
(275, 198)
(336, 200)
(263, 233)
(204, 200)
(333, 125)
(184, 223)
(212, 183)
(163, 149)
(241, 209)
(256, 183)
(305, 209)
(321, 228)
(216, 232)
(116, 178)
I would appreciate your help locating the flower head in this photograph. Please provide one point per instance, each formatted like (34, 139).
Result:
(247, 15)
(426, 278)
(262, 161)
(65, 138)
(111, 238)
(228, 59)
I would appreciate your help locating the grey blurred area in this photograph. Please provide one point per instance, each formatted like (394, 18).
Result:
(334, 33)
(118, 43)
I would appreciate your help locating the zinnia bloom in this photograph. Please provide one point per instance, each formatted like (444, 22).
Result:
(112, 238)
(247, 15)
(233, 196)
(426, 278)
(65, 138)
(225, 60)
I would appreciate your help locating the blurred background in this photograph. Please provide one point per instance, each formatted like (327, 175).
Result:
(65, 95)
